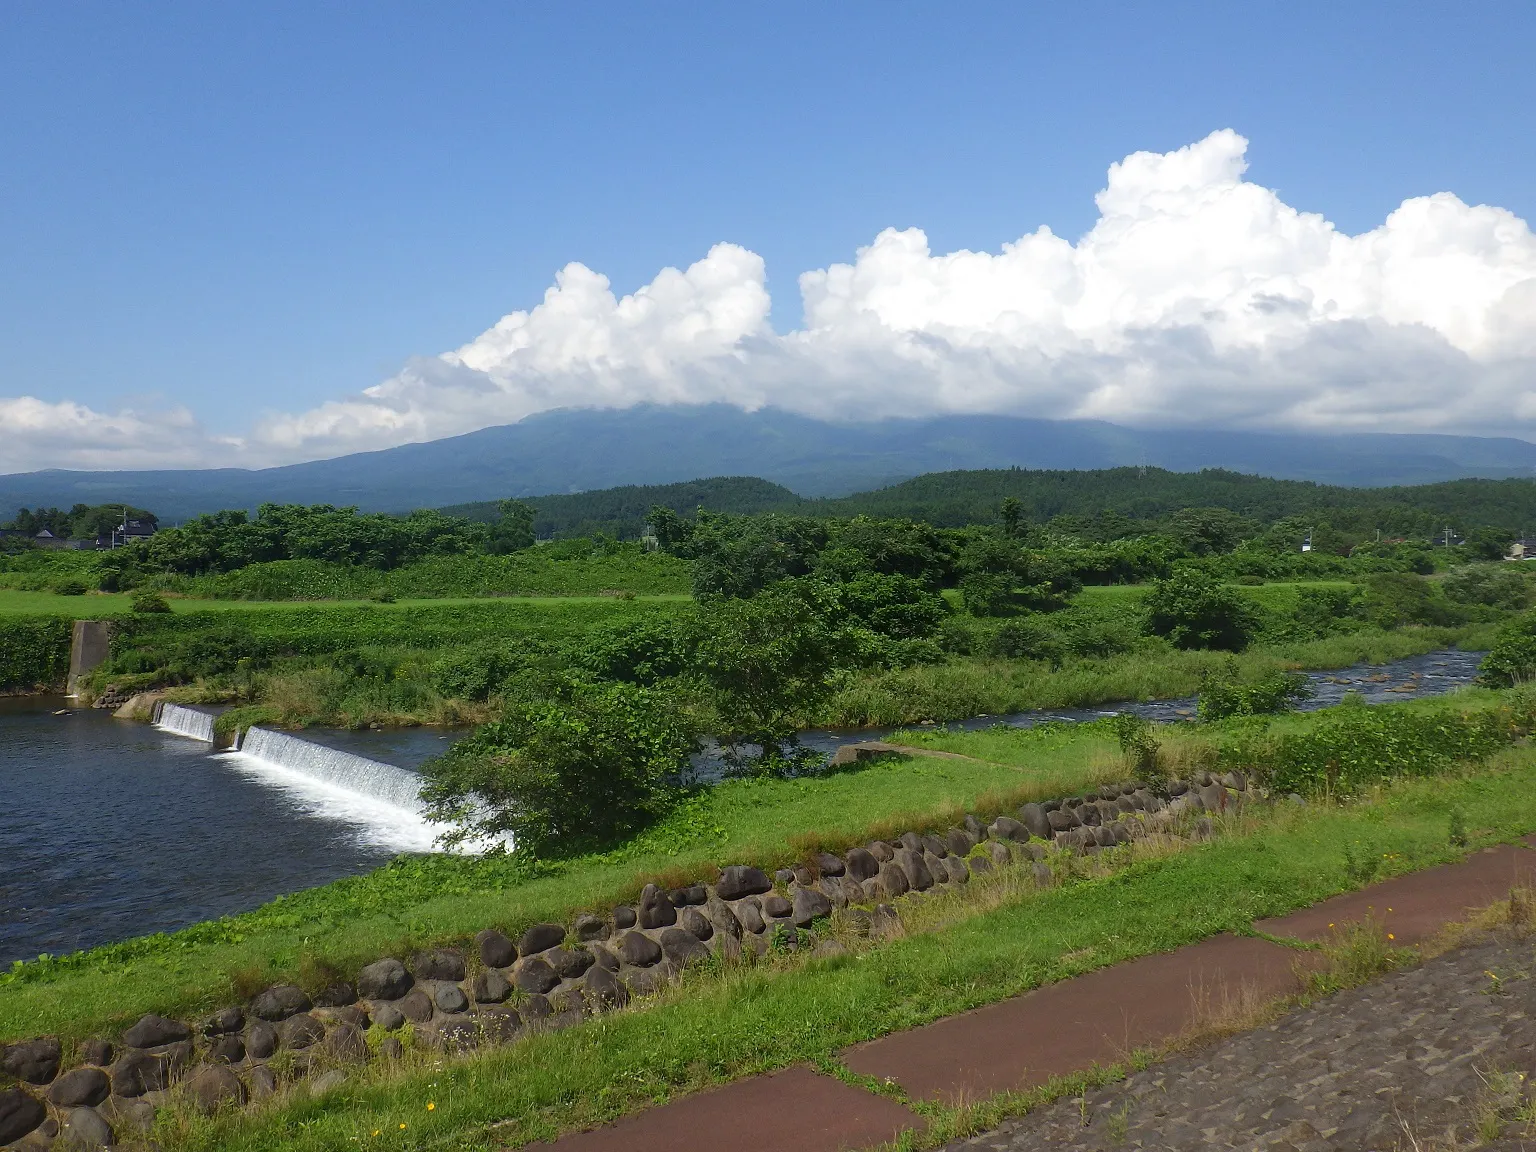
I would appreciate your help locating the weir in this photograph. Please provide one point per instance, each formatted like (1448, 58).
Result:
(193, 723)
(344, 770)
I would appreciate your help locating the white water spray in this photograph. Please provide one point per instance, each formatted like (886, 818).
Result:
(180, 720)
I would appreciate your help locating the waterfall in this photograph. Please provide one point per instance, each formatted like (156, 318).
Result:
(184, 721)
(383, 801)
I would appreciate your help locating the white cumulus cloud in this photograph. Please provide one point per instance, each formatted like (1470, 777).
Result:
(1197, 298)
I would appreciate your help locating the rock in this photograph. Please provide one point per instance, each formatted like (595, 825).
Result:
(416, 1006)
(20, 1113)
(784, 876)
(347, 1043)
(84, 1128)
(861, 864)
(536, 1008)
(750, 913)
(499, 1025)
(496, 951)
(327, 1082)
(893, 880)
(226, 1049)
(337, 995)
(1044, 806)
(224, 1020)
(721, 918)
(567, 964)
(301, 1031)
(384, 979)
(349, 1014)
(139, 1071)
(882, 851)
(938, 867)
(1000, 854)
(979, 865)
(491, 987)
(741, 880)
(99, 1052)
(624, 917)
(264, 1080)
(975, 827)
(656, 911)
(853, 893)
(910, 841)
(1235, 780)
(1042, 873)
(450, 998)
(539, 938)
(960, 841)
(280, 1002)
(88, 1086)
(1125, 804)
(776, 907)
(682, 947)
(1214, 798)
(1062, 820)
(1036, 821)
(439, 964)
(809, 905)
(685, 897)
(603, 990)
(916, 871)
(958, 872)
(456, 1034)
(605, 958)
(534, 974)
(261, 1040)
(832, 888)
(828, 864)
(1007, 828)
(803, 875)
(638, 950)
(388, 1017)
(1204, 829)
(1104, 837)
(695, 922)
(1178, 788)
(1037, 851)
(133, 1115)
(936, 845)
(34, 1061)
(153, 1031)
(589, 927)
(214, 1085)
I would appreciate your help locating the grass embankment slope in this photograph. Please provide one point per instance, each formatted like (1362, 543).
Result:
(722, 1026)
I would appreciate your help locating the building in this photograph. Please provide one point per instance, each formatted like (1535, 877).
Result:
(1521, 550)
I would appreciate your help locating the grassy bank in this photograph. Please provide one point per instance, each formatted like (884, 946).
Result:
(753, 1019)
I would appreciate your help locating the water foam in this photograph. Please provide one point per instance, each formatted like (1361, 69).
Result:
(180, 720)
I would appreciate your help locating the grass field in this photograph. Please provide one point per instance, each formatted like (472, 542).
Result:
(98, 605)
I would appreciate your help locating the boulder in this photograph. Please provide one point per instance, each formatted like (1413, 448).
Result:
(337, 995)
(496, 951)
(916, 870)
(88, 1086)
(99, 1052)
(450, 998)
(750, 913)
(832, 888)
(624, 917)
(20, 1113)
(214, 1085)
(694, 921)
(1104, 836)
(1007, 828)
(741, 880)
(910, 841)
(975, 827)
(938, 867)
(226, 1049)
(439, 964)
(416, 1006)
(682, 947)
(892, 880)
(347, 1043)
(300, 1031)
(388, 1017)
(384, 979)
(882, 851)
(534, 974)
(1042, 873)
(999, 853)
(327, 1082)
(785, 876)
(721, 918)
(638, 950)
(1214, 798)
(808, 905)
(656, 910)
(84, 1128)
(152, 1031)
(491, 987)
(264, 1080)
(261, 1040)
(33, 1061)
(280, 1002)
(589, 927)
(222, 1021)
(604, 957)
(861, 864)
(693, 894)
(828, 864)
(499, 1025)
(1062, 820)
(540, 937)
(853, 892)
(1203, 829)
(776, 907)
(979, 865)
(936, 845)
(603, 990)
(569, 964)
(1036, 821)
(960, 841)
(132, 1115)
(958, 872)
(536, 1008)
(139, 1070)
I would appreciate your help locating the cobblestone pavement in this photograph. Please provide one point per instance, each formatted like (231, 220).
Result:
(1427, 1058)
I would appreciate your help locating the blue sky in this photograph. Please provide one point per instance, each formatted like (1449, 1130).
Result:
(251, 209)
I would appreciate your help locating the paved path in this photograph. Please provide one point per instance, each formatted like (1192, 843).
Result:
(1224, 1096)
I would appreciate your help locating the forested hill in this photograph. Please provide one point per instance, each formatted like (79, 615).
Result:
(621, 511)
(952, 499)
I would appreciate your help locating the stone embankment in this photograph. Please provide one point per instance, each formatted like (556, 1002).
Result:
(552, 975)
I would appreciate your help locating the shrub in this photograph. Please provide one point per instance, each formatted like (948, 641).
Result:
(1222, 696)
(1512, 660)
(1500, 586)
(1028, 638)
(34, 652)
(562, 773)
(150, 602)
(1393, 599)
(71, 588)
(1194, 610)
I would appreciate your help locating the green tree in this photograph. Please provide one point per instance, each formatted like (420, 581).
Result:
(1194, 610)
(513, 529)
(1512, 659)
(1012, 512)
(1393, 599)
(575, 767)
(1489, 543)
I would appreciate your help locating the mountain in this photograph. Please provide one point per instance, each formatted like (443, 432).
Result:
(576, 450)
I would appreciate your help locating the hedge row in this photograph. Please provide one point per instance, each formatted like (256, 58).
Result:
(34, 652)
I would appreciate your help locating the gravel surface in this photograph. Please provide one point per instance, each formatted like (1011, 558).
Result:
(1435, 1057)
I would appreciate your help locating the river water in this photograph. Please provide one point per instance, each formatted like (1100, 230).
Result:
(111, 829)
